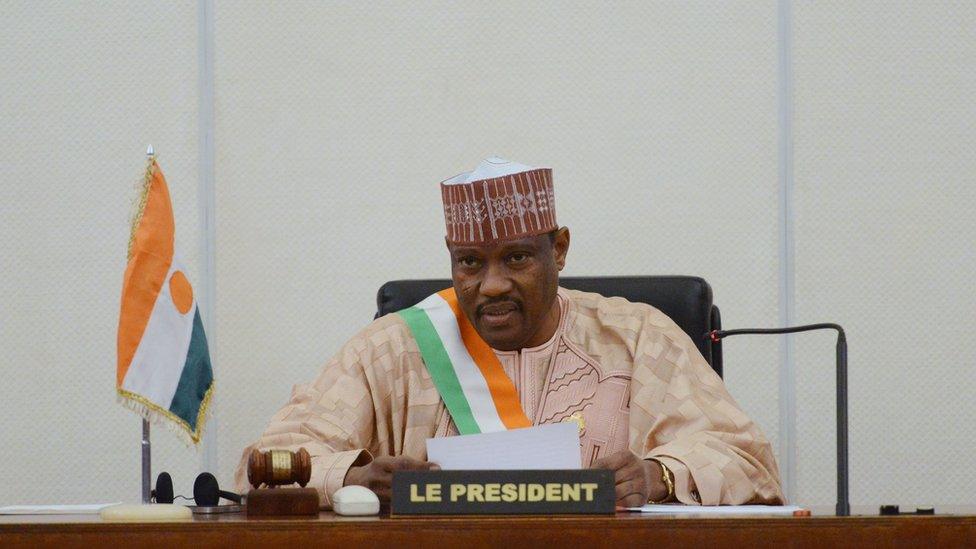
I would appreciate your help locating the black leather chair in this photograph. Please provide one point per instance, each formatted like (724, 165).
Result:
(686, 299)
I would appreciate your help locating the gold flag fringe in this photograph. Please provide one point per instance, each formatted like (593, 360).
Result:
(140, 205)
(154, 413)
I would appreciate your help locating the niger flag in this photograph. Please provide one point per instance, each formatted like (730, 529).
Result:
(164, 366)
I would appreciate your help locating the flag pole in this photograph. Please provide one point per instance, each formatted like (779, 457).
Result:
(146, 461)
(146, 444)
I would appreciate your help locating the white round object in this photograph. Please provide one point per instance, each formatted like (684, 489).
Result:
(355, 501)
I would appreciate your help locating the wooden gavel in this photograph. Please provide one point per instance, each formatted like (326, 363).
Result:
(279, 468)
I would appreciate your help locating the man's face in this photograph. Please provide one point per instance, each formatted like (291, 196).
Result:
(508, 289)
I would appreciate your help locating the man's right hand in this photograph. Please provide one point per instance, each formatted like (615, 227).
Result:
(378, 474)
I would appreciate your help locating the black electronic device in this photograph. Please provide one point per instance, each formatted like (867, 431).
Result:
(163, 493)
(894, 510)
(206, 491)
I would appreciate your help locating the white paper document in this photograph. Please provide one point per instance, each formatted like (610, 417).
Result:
(554, 446)
(87, 509)
(716, 510)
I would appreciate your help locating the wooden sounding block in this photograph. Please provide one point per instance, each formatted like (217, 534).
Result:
(269, 502)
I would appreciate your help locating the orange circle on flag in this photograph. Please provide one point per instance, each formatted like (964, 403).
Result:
(182, 292)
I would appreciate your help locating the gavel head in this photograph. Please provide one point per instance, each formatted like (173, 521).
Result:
(279, 467)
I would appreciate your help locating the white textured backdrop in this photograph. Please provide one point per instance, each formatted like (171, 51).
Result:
(334, 124)
(885, 131)
(83, 89)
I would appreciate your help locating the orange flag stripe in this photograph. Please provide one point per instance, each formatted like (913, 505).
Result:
(502, 389)
(145, 274)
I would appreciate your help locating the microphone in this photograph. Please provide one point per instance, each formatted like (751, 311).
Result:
(843, 497)
(207, 493)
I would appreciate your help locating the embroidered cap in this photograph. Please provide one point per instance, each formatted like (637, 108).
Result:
(499, 200)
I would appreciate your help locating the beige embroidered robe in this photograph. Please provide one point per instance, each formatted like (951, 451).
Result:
(637, 379)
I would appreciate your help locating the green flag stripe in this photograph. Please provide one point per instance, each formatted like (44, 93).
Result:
(196, 378)
(441, 370)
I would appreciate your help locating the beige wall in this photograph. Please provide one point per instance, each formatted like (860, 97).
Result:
(83, 90)
(333, 124)
(885, 131)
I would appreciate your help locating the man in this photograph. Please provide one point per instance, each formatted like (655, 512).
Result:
(506, 348)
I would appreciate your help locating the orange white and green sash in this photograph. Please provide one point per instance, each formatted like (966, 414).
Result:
(469, 377)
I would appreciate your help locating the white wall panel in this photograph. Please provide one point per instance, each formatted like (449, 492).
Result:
(84, 87)
(885, 192)
(335, 123)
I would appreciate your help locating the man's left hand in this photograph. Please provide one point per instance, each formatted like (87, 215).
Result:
(637, 480)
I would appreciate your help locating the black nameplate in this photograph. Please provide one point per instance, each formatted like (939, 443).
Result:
(548, 492)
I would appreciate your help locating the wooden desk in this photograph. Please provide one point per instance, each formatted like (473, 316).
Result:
(620, 531)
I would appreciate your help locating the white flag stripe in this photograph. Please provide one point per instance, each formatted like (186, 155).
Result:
(473, 383)
(159, 359)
